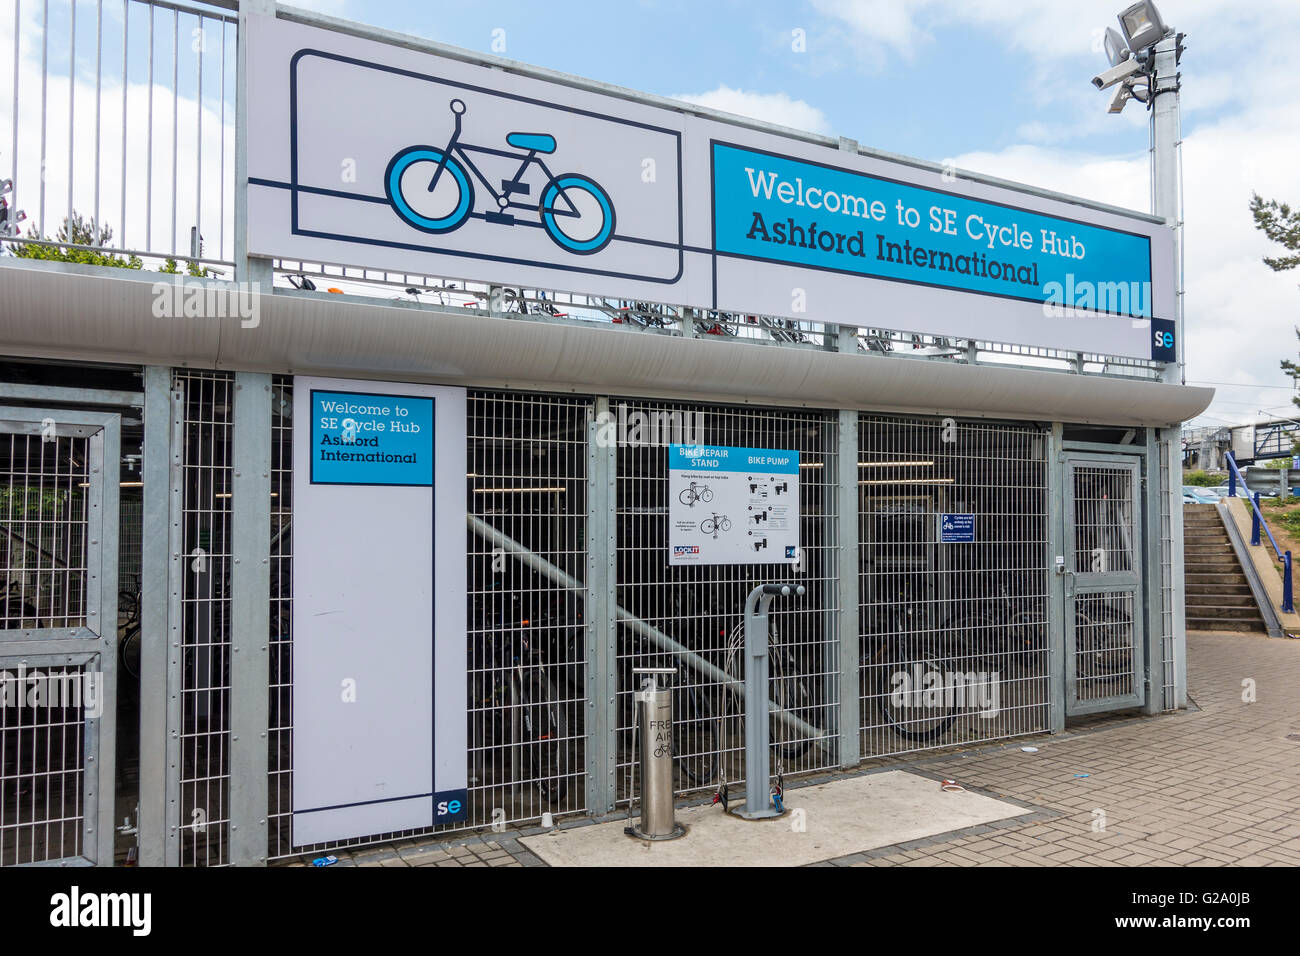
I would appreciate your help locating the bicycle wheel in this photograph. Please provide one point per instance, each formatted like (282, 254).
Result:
(708, 526)
(792, 690)
(129, 651)
(687, 496)
(706, 495)
(577, 213)
(788, 687)
(896, 672)
(725, 524)
(543, 733)
(406, 184)
(1103, 645)
(695, 736)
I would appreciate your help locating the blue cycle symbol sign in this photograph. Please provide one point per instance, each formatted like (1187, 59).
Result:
(431, 188)
(957, 529)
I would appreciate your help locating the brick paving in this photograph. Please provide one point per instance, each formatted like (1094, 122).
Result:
(1216, 785)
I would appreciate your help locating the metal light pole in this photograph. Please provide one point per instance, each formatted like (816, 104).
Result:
(1148, 53)
(1167, 202)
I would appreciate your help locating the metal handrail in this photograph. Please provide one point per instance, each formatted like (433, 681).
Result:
(1257, 521)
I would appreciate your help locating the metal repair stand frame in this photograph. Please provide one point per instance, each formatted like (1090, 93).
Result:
(758, 767)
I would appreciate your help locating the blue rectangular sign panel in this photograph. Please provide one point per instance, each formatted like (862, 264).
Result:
(781, 209)
(956, 529)
(365, 439)
(728, 458)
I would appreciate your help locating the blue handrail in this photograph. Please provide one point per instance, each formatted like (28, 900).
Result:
(1257, 520)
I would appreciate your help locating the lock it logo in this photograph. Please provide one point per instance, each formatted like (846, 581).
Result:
(791, 551)
(686, 549)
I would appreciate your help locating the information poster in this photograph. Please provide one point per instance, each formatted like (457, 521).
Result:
(379, 741)
(956, 529)
(732, 505)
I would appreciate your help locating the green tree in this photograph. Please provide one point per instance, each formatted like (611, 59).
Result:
(1281, 224)
(77, 231)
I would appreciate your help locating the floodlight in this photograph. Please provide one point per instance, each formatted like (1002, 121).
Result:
(1142, 25)
(1116, 51)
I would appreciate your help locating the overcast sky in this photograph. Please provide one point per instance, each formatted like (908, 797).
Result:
(998, 86)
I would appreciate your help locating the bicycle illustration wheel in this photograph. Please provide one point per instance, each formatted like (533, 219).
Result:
(724, 524)
(687, 497)
(706, 495)
(708, 526)
(407, 181)
(543, 732)
(577, 213)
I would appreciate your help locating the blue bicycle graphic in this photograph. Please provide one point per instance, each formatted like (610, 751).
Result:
(431, 189)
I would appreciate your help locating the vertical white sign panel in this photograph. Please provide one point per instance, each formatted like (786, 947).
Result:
(378, 608)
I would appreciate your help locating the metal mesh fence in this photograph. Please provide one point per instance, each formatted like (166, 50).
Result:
(701, 607)
(953, 634)
(43, 526)
(207, 400)
(1168, 640)
(45, 574)
(43, 732)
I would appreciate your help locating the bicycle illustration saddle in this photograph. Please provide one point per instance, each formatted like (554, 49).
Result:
(538, 142)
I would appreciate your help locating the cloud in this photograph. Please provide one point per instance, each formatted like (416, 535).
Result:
(775, 108)
(1239, 316)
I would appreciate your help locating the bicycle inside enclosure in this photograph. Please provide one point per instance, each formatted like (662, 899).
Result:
(953, 644)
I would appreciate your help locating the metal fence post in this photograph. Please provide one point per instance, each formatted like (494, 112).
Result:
(175, 608)
(1178, 595)
(155, 682)
(1056, 643)
(250, 583)
(1254, 519)
(602, 654)
(1153, 576)
(847, 543)
(247, 268)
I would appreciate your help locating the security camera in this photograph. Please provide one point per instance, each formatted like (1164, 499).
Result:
(1120, 99)
(1116, 74)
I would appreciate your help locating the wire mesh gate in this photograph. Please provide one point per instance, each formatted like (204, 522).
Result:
(954, 641)
(58, 624)
(1104, 611)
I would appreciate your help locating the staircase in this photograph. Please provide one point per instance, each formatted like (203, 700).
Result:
(1218, 595)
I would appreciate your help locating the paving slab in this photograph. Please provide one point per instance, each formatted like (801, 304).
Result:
(839, 818)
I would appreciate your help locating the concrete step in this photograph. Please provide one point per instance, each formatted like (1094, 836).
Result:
(1226, 590)
(1215, 577)
(1225, 624)
(1225, 611)
(1211, 567)
(1221, 600)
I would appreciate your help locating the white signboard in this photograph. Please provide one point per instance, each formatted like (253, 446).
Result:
(379, 731)
(732, 505)
(376, 155)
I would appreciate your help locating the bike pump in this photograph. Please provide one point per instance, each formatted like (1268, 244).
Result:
(654, 708)
(758, 767)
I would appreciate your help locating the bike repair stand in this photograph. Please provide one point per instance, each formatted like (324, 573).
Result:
(758, 765)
